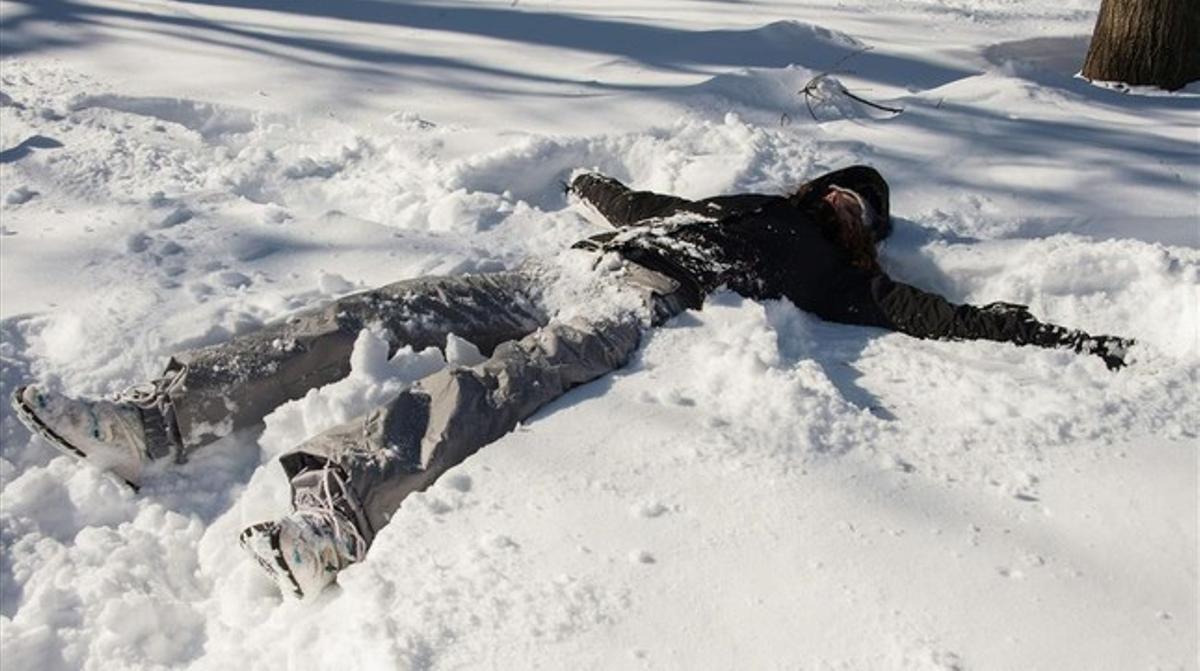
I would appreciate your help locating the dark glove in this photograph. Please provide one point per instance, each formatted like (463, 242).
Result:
(1110, 348)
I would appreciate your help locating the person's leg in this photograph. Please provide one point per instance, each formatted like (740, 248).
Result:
(445, 418)
(206, 393)
(235, 384)
(349, 480)
(361, 471)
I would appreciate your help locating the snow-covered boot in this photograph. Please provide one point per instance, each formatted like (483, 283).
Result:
(111, 435)
(304, 551)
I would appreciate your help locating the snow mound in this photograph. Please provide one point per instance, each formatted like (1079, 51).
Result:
(373, 380)
(210, 121)
(694, 157)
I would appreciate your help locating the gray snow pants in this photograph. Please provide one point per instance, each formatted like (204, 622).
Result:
(408, 443)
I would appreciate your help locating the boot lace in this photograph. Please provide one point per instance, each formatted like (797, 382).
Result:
(320, 506)
(153, 395)
(153, 402)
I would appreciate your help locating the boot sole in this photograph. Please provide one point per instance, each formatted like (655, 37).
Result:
(275, 566)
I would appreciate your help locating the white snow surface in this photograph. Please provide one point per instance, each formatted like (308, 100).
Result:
(758, 488)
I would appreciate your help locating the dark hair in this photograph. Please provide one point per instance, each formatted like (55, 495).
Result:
(855, 239)
(861, 179)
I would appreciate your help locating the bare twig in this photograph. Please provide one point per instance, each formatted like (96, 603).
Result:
(885, 108)
(810, 91)
(808, 99)
(811, 88)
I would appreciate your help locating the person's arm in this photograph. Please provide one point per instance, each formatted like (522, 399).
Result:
(623, 207)
(878, 300)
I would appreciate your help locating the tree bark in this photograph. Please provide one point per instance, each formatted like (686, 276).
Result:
(1146, 42)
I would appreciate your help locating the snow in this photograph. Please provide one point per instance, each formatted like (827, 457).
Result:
(758, 488)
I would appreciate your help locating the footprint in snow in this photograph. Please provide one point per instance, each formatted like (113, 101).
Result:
(20, 196)
(27, 146)
(649, 509)
(7, 101)
(641, 557)
(233, 279)
(177, 216)
(137, 243)
(459, 482)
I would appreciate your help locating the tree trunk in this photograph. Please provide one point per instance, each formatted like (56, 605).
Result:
(1146, 42)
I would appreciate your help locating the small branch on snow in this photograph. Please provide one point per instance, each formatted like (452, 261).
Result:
(885, 108)
(812, 89)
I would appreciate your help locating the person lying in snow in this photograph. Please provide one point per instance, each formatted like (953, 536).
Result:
(815, 247)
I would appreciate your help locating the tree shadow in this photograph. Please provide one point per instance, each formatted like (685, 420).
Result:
(19, 33)
(833, 346)
(1054, 62)
(671, 49)
(1021, 136)
(837, 349)
(1137, 156)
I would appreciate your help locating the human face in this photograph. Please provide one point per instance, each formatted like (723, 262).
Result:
(847, 206)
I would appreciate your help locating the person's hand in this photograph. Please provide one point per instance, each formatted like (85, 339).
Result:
(1112, 349)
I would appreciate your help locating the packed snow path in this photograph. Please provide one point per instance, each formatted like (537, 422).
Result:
(758, 488)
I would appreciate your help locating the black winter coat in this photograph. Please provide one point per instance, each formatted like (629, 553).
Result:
(763, 246)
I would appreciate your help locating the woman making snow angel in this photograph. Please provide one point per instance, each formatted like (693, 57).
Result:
(814, 246)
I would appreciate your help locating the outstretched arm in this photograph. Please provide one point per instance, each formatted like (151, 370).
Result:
(622, 206)
(878, 300)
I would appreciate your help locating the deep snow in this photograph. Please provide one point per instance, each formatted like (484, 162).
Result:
(758, 488)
